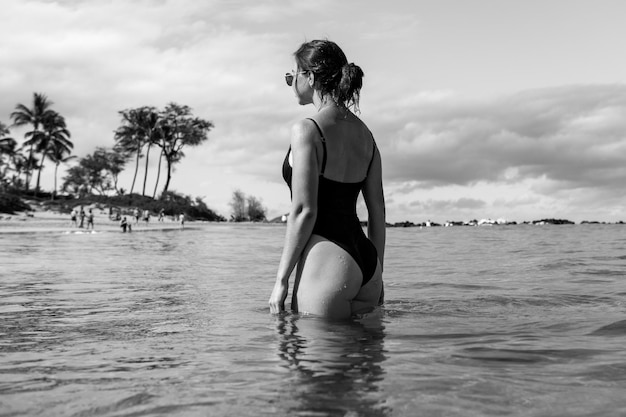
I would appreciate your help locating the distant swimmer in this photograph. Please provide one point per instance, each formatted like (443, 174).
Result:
(161, 214)
(182, 220)
(73, 216)
(136, 215)
(125, 225)
(90, 219)
(82, 217)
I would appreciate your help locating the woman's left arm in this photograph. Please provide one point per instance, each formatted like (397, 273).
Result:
(375, 202)
(303, 213)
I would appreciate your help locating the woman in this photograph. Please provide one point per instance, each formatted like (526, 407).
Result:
(333, 157)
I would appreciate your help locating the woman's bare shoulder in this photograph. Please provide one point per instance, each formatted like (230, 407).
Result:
(303, 133)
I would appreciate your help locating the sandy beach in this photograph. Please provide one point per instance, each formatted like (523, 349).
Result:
(48, 221)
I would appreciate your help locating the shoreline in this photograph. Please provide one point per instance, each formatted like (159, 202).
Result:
(49, 221)
(44, 220)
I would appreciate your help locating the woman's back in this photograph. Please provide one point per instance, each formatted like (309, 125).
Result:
(349, 145)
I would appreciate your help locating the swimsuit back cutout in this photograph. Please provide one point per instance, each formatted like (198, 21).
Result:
(337, 219)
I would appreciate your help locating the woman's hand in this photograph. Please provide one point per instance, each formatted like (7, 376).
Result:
(279, 294)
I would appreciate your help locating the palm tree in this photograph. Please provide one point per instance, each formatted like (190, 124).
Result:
(17, 164)
(179, 129)
(129, 139)
(117, 158)
(156, 183)
(57, 155)
(139, 129)
(8, 148)
(149, 123)
(33, 116)
(4, 130)
(54, 134)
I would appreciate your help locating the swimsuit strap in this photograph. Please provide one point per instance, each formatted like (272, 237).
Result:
(323, 144)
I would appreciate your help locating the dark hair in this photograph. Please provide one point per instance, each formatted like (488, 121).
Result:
(334, 76)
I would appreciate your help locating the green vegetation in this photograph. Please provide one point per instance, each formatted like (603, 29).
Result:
(48, 138)
(246, 208)
(10, 203)
(171, 203)
(171, 130)
(93, 179)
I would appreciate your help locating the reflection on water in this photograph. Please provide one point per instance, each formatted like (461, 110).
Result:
(335, 368)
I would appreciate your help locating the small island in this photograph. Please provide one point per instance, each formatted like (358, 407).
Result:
(490, 222)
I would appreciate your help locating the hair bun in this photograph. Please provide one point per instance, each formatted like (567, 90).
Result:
(352, 72)
(351, 76)
(348, 68)
(350, 85)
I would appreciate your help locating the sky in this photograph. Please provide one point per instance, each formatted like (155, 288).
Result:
(481, 109)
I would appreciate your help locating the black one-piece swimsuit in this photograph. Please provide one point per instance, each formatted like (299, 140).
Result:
(337, 220)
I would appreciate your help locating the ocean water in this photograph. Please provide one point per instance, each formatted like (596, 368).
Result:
(478, 321)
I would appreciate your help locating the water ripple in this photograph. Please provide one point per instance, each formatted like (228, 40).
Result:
(477, 321)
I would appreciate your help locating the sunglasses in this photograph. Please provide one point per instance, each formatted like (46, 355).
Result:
(290, 75)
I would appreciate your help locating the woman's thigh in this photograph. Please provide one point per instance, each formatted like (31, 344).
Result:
(327, 280)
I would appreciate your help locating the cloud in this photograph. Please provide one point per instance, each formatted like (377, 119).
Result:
(442, 151)
(573, 135)
(449, 205)
(95, 59)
